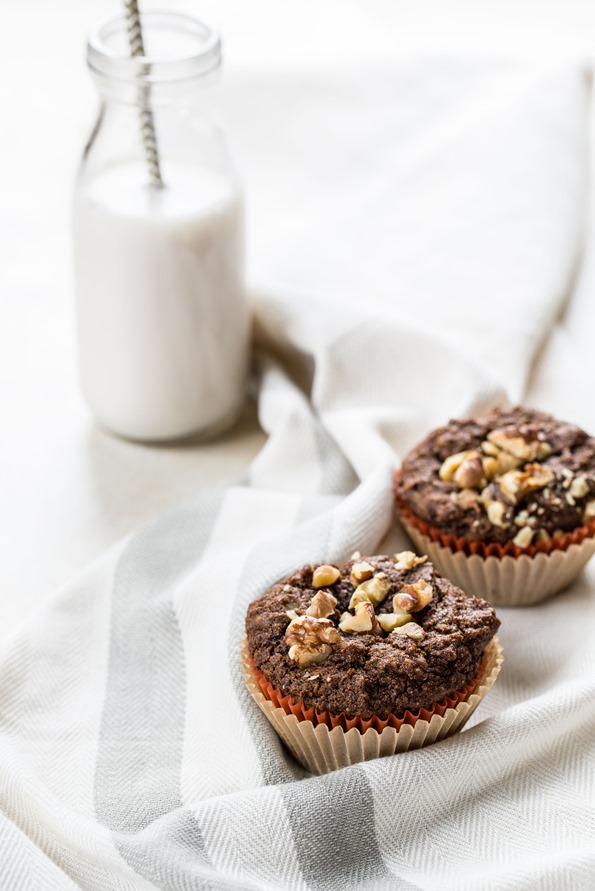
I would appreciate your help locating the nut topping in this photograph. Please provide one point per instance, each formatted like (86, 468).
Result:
(363, 621)
(310, 640)
(408, 560)
(390, 621)
(452, 463)
(519, 447)
(373, 590)
(488, 448)
(516, 484)
(323, 605)
(325, 575)
(467, 499)
(469, 474)
(524, 537)
(496, 510)
(412, 598)
(360, 572)
(494, 466)
(412, 630)
(579, 487)
(589, 510)
(542, 535)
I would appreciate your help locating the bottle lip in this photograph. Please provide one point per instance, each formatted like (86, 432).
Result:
(198, 52)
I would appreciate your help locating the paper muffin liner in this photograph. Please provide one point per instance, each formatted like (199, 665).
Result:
(322, 742)
(503, 574)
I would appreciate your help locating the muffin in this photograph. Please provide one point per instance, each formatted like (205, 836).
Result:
(380, 656)
(504, 506)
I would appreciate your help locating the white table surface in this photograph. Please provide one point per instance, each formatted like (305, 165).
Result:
(69, 490)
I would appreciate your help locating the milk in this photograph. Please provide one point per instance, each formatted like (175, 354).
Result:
(162, 317)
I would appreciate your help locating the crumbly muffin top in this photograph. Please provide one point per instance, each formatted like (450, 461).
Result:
(518, 475)
(377, 636)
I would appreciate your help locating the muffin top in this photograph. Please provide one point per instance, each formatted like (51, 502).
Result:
(381, 635)
(518, 475)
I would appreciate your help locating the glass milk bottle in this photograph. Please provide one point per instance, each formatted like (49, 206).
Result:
(162, 317)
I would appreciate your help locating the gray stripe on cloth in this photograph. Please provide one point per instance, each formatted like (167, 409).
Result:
(169, 852)
(139, 759)
(333, 825)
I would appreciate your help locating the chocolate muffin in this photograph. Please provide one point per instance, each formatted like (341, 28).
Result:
(519, 475)
(516, 483)
(378, 637)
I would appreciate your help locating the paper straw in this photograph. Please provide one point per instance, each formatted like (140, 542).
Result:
(135, 37)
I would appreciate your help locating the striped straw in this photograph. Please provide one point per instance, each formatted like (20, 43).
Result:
(135, 38)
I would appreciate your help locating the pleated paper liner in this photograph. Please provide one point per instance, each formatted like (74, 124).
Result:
(322, 742)
(503, 574)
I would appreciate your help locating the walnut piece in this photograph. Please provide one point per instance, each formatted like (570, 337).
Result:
(451, 464)
(323, 605)
(407, 560)
(518, 446)
(325, 575)
(310, 640)
(579, 487)
(412, 598)
(360, 572)
(589, 510)
(494, 509)
(524, 537)
(469, 474)
(373, 590)
(412, 630)
(363, 621)
(466, 499)
(495, 465)
(390, 621)
(516, 484)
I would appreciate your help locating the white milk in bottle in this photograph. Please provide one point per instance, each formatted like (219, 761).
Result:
(162, 316)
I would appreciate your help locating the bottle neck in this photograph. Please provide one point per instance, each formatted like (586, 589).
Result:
(183, 55)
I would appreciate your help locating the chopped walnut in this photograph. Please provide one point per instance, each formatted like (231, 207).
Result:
(310, 640)
(469, 474)
(488, 448)
(412, 598)
(323, 605)
(390, 621)
(412, 630)
(364, 620)
(407, 560)
(579, 487)
(566, 475)
(496, 510)
(518, 446)
(325, 575)
(450, 466)
(360, 572)
(373, 590)
(466, 499)
(589, 510)
(524, 537)
(516, 484)
(495, 466)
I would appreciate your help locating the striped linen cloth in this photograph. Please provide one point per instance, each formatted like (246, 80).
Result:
(131, 755)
